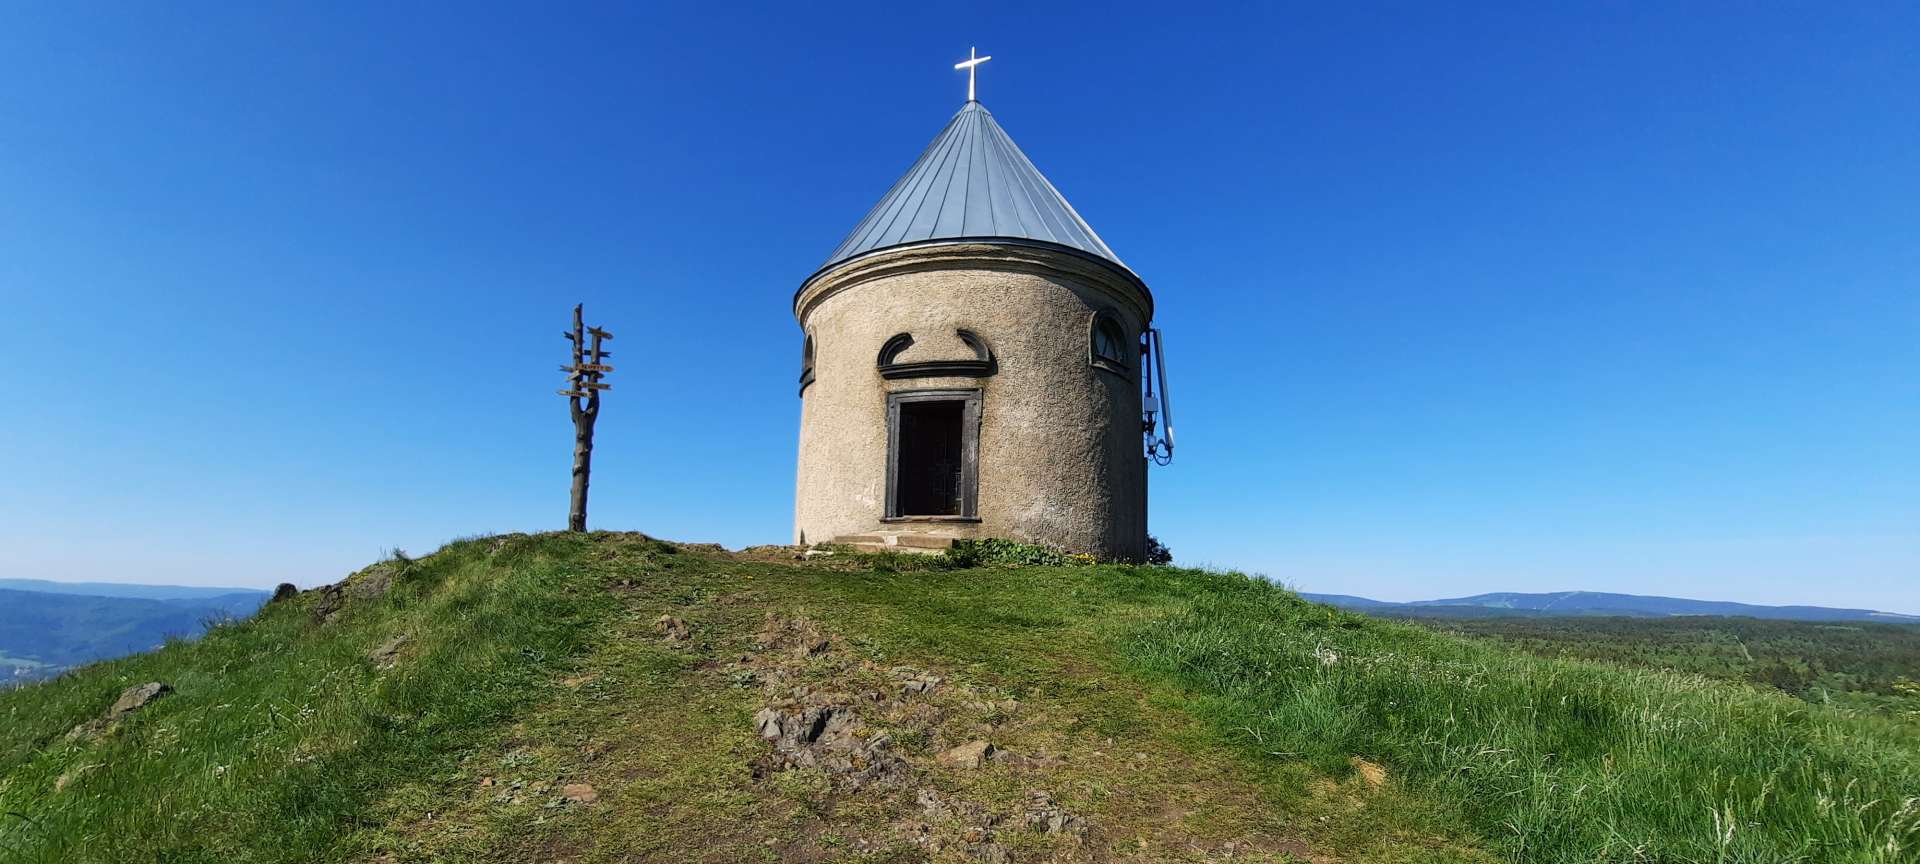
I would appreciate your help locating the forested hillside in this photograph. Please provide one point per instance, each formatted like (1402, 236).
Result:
(1864, 665)
(43, 633)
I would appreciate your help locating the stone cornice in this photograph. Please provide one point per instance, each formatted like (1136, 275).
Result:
(1041, 259)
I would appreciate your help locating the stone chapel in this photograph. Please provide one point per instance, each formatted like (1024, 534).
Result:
(972, 365)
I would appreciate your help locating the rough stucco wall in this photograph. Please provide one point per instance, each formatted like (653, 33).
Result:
(1060, 458)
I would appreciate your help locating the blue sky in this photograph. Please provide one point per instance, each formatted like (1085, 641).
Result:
(1618, 297)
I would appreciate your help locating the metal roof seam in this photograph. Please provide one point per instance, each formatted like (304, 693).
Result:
(921, 177)
(986, 182)
(960, 155)
(972, 181)
(1039, 202)
(865, 225)
(945, 168)
(1061, 213)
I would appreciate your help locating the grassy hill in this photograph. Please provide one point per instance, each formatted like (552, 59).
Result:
(610, 697)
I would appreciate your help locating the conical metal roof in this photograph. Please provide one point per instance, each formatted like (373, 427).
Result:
(972, 183)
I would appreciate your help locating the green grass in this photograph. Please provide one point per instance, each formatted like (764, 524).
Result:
(1189, 710)
(1551, 760)
(1546, 760)
(281, 732)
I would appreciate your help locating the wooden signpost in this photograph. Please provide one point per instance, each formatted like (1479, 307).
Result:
(583, 400)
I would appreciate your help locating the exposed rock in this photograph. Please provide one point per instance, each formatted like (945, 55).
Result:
(827, 738)
(374, 581)
(579, 793)
(1007, 757)
(137, 697)
(131, 699)
(939, 809)
(385, 655)
(812, 720)
(769, 724)
(922, 683)
(993, 853)
(972, 754)
(673, 629)
(1048, 817)
(997, 711)
(930, 803)
(796, 731)
(332, 600)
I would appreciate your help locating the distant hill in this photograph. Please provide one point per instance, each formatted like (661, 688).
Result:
(51, 626)
(1348, 601)
(121, 589)
(1509, 603)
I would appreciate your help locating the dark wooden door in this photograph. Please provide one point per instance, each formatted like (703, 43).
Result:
(930, 473)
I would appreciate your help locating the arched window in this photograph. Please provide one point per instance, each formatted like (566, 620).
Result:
(806, 363)
(980, 366)
(1107, 344)
(891, 350)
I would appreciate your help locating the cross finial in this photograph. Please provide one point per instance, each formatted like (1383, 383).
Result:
(972, 61)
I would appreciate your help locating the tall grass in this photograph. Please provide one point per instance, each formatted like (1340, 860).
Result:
(1551, 760)
(283, 734)
(281, 729)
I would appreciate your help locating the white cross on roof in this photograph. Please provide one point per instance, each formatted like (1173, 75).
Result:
(972, 61)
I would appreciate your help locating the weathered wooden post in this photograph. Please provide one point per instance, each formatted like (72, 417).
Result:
(583, 401)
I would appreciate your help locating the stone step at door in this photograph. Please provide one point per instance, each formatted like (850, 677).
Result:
(921, 544)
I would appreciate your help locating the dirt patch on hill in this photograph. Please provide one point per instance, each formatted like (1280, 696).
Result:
(850, 757)
(725, 721)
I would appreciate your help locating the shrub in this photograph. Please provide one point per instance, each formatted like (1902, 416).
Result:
(995, 552)
(1908, 693)
(1157, 552)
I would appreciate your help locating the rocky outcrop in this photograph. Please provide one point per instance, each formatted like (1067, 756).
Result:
(387, 655)
(131, 699)
(369, 584)
(831, 711)
(330, 602)
(828, 738)
(1048, 817)
(972, 754)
